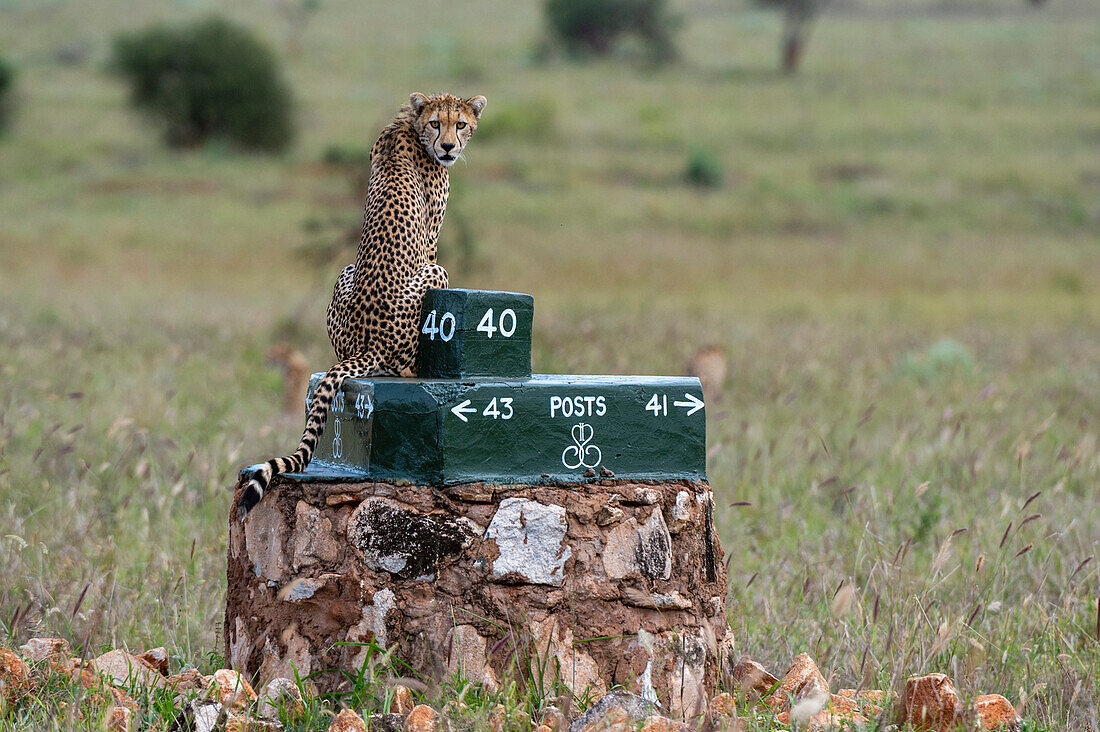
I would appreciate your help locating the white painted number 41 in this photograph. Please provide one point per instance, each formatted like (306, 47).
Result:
(506, 324)
(658, 405)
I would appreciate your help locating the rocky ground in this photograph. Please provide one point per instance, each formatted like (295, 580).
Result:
(119, 692)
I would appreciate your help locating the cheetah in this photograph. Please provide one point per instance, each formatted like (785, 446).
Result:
(375, 309)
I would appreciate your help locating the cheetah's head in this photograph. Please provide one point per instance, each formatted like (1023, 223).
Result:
(445, 123)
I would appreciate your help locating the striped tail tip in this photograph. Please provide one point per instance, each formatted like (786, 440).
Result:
(254, 490)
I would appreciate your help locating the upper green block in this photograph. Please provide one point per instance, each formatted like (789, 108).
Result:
(475, 334)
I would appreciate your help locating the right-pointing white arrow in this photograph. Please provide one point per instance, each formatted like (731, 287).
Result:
(459, 409)
(695, 404)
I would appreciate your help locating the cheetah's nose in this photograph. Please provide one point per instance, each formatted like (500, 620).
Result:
(447, 146)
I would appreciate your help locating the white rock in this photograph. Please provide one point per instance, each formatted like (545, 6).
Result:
(639, 549)
(373, 624)
(530, 537)
(264, 533)
(122, 669)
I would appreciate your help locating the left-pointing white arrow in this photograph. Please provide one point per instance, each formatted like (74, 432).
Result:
(458, 410)
(695, 404)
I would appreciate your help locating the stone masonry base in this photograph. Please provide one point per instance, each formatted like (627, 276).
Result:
(584, 585)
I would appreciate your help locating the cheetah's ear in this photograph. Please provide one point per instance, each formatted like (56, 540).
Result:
(417, 100)
(477, 104)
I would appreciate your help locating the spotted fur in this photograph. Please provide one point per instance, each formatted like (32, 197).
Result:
(376, 303)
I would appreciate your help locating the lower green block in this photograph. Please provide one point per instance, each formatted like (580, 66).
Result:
(505, 431)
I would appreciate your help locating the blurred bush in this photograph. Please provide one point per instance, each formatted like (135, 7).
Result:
(703, 169)
(593, 26)
(209, 79)
(7, 82)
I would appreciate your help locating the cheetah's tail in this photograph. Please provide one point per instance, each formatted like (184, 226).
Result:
(258, 477)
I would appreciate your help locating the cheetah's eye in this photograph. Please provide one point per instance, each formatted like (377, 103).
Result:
(435, 124)
(460, 125)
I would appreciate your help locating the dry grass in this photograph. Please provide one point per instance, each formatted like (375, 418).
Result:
(901, 266)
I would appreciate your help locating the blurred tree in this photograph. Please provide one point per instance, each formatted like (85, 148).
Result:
(209, 79)
(798, 19)
(297, 14)
(593, 26)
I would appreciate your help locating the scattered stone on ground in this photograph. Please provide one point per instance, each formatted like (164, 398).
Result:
(15, 675)
(658, 723)
(232, 689)
(615, 719)
(198, 715)
(403, 702)
(281, 693)
(348, 721)
(802, 685)
(52, 650)
(554, 719)
(425, 719)
(156, 659)
(118, 719)
(391, 722)
(634, 709)
(188, 684)
(750, 677)
(723, 705)
(930, 703)
(243, 722)
(122, 669)
(996, 712)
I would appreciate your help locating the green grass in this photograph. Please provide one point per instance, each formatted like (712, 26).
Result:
(927, 179)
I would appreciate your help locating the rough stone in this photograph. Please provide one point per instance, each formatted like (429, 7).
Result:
(198, 715)
(264, 534)
(188, 683)
(558, 656)
(634, 549)
(634, 709)
(723, 705)
(553, 718)
(803, 682)
(615, 720)
(391, 722)
(657, 723)
(41, 650)
(680, 514)
(313, 538)
(348, 721)
(689, 676)
(281, 693)
(608, 515)
(468, 656)
(15, 675)
(868, 701)
(930, 703)
(403, 541)
(403, 701)
(996, 712)
(425, 719)
(118, 719)
(750, 676)
(232, 689)
(122, 669)
(529, 536)
(242, 722)
(156, 659)
(319, 618)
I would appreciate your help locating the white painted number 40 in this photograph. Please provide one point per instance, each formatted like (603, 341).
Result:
(506, 324)
(445, 330)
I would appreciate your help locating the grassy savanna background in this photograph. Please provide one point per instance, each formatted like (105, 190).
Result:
(902, 266)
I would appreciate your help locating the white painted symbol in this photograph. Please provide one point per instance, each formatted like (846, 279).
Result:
(659, 406)
(337, 443)
(363, 406)
(462, 409)
(694, 404)
(504, 411)
(579, 453)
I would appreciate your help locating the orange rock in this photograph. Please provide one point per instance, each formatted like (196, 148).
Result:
(555, 720)
(803, 681)
(402, 700)
(122, 669)
(996, 712)
(348, 721)
(53, 650)
(241, 722)
(15, 675)
(867, 701)
(723, 706)
(281, 693)
(657, 723)
(232, 689)
(748, 675)
(156, 659)
(118, 719)
(616, 719)
(187, 684)
(544, 728)
(930, 703)
(423, 719)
